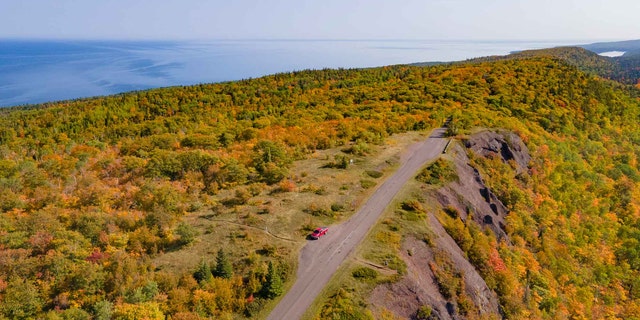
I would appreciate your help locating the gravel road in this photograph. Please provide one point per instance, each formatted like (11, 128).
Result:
(320, 259)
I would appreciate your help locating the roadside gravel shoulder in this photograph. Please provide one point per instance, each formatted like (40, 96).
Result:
(320, 259)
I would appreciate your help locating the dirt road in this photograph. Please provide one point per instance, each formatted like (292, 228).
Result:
(320, 259)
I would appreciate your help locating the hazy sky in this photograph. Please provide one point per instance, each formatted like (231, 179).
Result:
(322, 19)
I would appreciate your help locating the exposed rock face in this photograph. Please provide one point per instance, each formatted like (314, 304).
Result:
(506, 145)
(470, 193)
(419, 287)
(471, 197)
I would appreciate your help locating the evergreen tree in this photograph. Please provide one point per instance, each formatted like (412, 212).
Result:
(223, 266)
(203, 273)
(273, 286)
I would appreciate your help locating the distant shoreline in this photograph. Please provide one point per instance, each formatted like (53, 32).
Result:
(38, 71)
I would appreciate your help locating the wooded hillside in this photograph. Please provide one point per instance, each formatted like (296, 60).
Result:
(91, 190)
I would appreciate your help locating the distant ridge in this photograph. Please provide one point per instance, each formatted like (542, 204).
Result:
(585, 60)
(624, 69)
(630, 47)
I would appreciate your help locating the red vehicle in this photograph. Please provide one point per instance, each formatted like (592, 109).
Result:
(319, 232)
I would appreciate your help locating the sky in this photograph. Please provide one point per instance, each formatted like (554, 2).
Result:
(321, 19)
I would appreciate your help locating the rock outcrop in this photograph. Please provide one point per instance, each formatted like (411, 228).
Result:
(470, 194)
(506, 145)
(472, 199)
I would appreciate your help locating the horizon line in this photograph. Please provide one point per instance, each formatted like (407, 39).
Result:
(4, 38)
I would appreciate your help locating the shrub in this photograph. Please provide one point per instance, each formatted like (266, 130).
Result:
(389, 238)
(147, 310)
(268, 250)
(342, 305)
(360, 148)
(195, 206)
(187, 233)
(365, 274)
(439, 172)
(271, 161)
(273, 174)
(374, 174)
(339, 162)
(75, 313)
(321, 191)
(391, 261)
(242, 196)
(450, 280)
(424, 313)
(255, 189)
(412, 205)
(366, 184)
(253, 308)
(308, 227)
(102, 310)
(337, 207)
(466, 305)
(286, 185)
(451, 211)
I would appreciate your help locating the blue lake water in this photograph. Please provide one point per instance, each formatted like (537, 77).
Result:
(39, 71)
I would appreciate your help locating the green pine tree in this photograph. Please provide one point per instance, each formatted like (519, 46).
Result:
(273, 286)
(223, 266)
(203, 273)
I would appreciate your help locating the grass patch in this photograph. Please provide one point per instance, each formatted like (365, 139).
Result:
(319, 190)
(318, 211)
(412, 216)
(389, 260)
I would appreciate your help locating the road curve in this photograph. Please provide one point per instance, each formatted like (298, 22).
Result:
(320, 259)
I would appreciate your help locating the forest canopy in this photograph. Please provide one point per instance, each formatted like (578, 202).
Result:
(92, 189)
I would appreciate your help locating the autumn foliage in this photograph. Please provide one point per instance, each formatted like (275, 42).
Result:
(91, 190)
